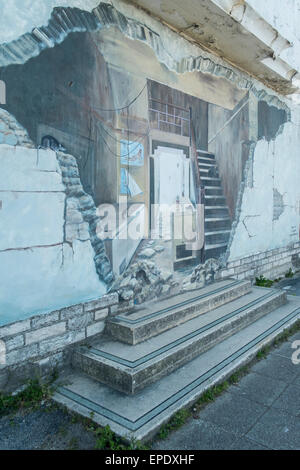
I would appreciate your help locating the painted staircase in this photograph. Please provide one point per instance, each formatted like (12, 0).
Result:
(160, 357)
(217, 220)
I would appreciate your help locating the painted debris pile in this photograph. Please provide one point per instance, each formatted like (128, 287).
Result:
(144, 281)
(202, 275)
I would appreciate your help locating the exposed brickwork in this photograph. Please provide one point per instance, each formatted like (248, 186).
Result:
(271, 264)
(11, 132)
(36, 345)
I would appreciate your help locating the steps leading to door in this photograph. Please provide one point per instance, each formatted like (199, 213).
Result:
(130, 368)
(144, 323)
(141, 415)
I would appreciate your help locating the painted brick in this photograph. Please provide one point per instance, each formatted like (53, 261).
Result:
(70, 312)
(80, 321)
(45, 319)
(60, 342)
(14, 328)
(95, 329)
(22, 354)
(105, 301)
(43, 333)
(101, 314)
(14, 342)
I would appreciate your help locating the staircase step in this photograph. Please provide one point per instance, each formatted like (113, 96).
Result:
(217, 223)
(213, 191)
(208, 181)
(215, 250)
(141, 415)
(130, 368)
(205, 154)
(217, 237)
(206, 161)
(215, 200)
(159, 316)
(206, 164)
(216, 211)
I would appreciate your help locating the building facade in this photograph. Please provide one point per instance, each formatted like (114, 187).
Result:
(139, 142)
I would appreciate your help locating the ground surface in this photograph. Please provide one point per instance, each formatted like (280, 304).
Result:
(262, 411)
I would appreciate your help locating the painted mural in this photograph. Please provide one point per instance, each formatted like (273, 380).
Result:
(167, 153)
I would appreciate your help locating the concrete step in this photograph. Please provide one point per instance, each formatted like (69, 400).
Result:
(140, 416)
(216, 211)
(219, 200)
(144, 323)
(217, 223)
(130, 368)
(217, 237)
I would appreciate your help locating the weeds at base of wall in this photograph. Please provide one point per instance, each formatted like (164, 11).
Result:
(263, 282)
(31, 397)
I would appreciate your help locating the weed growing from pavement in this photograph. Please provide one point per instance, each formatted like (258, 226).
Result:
(32, 396)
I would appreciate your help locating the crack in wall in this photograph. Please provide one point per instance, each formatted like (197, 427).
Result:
(245, 225)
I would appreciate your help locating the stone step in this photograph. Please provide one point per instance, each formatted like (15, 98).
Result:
(217, 237)
(219, 200)
(217, 223)
(140, 416)
(159, 316)
(130, 368)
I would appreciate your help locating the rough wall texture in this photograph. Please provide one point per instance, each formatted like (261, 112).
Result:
(11, 132)
(37, 346)
(40, 268)
(273, 169)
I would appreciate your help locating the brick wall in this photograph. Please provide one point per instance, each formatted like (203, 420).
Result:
(271, 264)
(38, 345)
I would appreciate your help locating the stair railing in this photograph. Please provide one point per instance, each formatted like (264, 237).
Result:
(199, 191)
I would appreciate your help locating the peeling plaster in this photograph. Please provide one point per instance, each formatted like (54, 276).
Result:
(66, 20)
(278, 205)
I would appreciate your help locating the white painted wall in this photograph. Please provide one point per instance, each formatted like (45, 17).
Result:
(38, 271)
(284, 16)
(276, 165)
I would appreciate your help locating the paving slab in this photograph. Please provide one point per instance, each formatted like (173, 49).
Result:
(198, 435)
(289, 400)
(277, 430)
(277, 367)
(233, 413)
(259, 388)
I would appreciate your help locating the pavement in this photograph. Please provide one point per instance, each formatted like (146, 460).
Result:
(261, 411)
